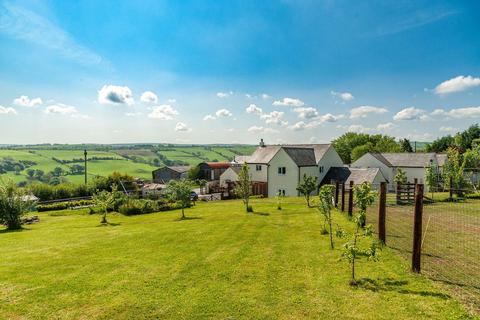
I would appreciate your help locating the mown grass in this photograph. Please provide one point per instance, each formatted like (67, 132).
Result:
(219, 263)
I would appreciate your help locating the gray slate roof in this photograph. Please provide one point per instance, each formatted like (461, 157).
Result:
(357, 175)
(411, 160)
(265, 154)
(179, 169)
(241, 159)
(301, 156)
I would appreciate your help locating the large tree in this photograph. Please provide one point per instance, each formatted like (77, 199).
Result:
(405, 145)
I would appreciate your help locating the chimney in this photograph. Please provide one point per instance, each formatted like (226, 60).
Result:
(262, 144)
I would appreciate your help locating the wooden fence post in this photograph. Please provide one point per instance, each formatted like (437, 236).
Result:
(398, 192)
(350, 199)
(382, 212)
(343, 197)
(417, 230)
(337, 185)
(450, 189)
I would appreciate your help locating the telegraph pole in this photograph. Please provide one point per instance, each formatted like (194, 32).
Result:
(85, 154)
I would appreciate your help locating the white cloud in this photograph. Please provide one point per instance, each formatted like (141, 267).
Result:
(110, 94)
(163, 112)
(27, 25)
(410, 114)
(274, 117)
(254, 109)
(306, 112)
(358, 128)
(459, 113)
(133, 114)
(182, 127)
(149, 97)
(5, 110)
(25, 101)
(448, 129)
(315, 122)
(345, 96)
(260, 129)
(330, 117)
(289, 102)
(457, 84)
(172, 100)
(209, 117)
(60, 108)
(364, 111)
(298, 126)
(385, 126)
(224, 94)
(222, 113)
(265, 96)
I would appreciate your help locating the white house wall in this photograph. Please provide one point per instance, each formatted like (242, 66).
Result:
(259, 176)
(228, 175)
(369, 161)
(287, 182)
(330, 159)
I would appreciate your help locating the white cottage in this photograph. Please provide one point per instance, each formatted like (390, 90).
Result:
(282, 167)
(413, 164)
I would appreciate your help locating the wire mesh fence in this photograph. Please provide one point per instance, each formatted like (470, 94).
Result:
(450, 237)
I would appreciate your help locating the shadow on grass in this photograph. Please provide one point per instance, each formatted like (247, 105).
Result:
(188, 218)
(110, 224)
(14, 230)
(389, 284)
(261, 213)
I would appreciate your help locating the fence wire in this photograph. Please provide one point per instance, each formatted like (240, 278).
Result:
(450, 238)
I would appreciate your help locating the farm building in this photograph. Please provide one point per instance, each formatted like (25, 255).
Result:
(230, 175)
(279, 168)
(165, 174)
(211, 171)
(357, 175)
(413, 164)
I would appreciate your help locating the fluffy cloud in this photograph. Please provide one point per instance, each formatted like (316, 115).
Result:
(289, 102)
(224, 94)
(410, 114)
(330, 117)
(315, 122)
(459, 113)
(358, 128)
(274, 117)
(182, 127)
(364, 111)
(345, 96)
(306, 112)
(265, 96)
(222, 113)
(163, 112)
(149, 97)
(385, 126)
(253, 109)
(448, 129)
(457, 84)
(260, 129)
(60, 108)
(5, 110)
(25, 101)
(110, 94)
(209, 117)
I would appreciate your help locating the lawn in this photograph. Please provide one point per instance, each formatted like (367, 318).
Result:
(219, 263)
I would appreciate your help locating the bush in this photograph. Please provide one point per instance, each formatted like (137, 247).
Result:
(135, 207)
(249, 209)
(63, 205)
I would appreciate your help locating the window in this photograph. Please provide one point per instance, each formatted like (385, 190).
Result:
(281, 192)
(258, 167)
(282, 171)
(320, 169)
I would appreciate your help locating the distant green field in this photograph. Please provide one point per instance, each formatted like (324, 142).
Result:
(137, 161)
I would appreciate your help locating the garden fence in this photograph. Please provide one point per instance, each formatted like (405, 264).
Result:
(447, 236)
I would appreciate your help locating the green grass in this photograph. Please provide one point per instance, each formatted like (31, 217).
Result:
(220, 263)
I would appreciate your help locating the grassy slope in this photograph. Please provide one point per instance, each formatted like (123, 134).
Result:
(221, 263)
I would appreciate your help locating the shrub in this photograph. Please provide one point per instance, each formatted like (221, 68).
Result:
(249, 208)
(63, 205)
(12, 205)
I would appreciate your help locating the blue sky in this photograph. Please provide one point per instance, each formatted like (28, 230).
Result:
(235, 71)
